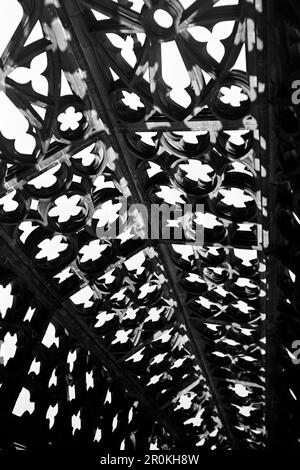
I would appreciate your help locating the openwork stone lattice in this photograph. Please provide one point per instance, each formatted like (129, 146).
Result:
(121, 338)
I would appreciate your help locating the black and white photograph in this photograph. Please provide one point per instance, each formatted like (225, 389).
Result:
(149, 230)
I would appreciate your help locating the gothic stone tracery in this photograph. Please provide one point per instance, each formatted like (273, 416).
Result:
(117, 340)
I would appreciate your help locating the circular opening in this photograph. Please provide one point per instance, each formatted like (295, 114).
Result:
(163, 18)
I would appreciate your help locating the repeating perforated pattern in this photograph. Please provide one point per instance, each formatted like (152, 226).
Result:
(113, 335)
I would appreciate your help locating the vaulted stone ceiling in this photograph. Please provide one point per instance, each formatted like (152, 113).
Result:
(123, 328)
